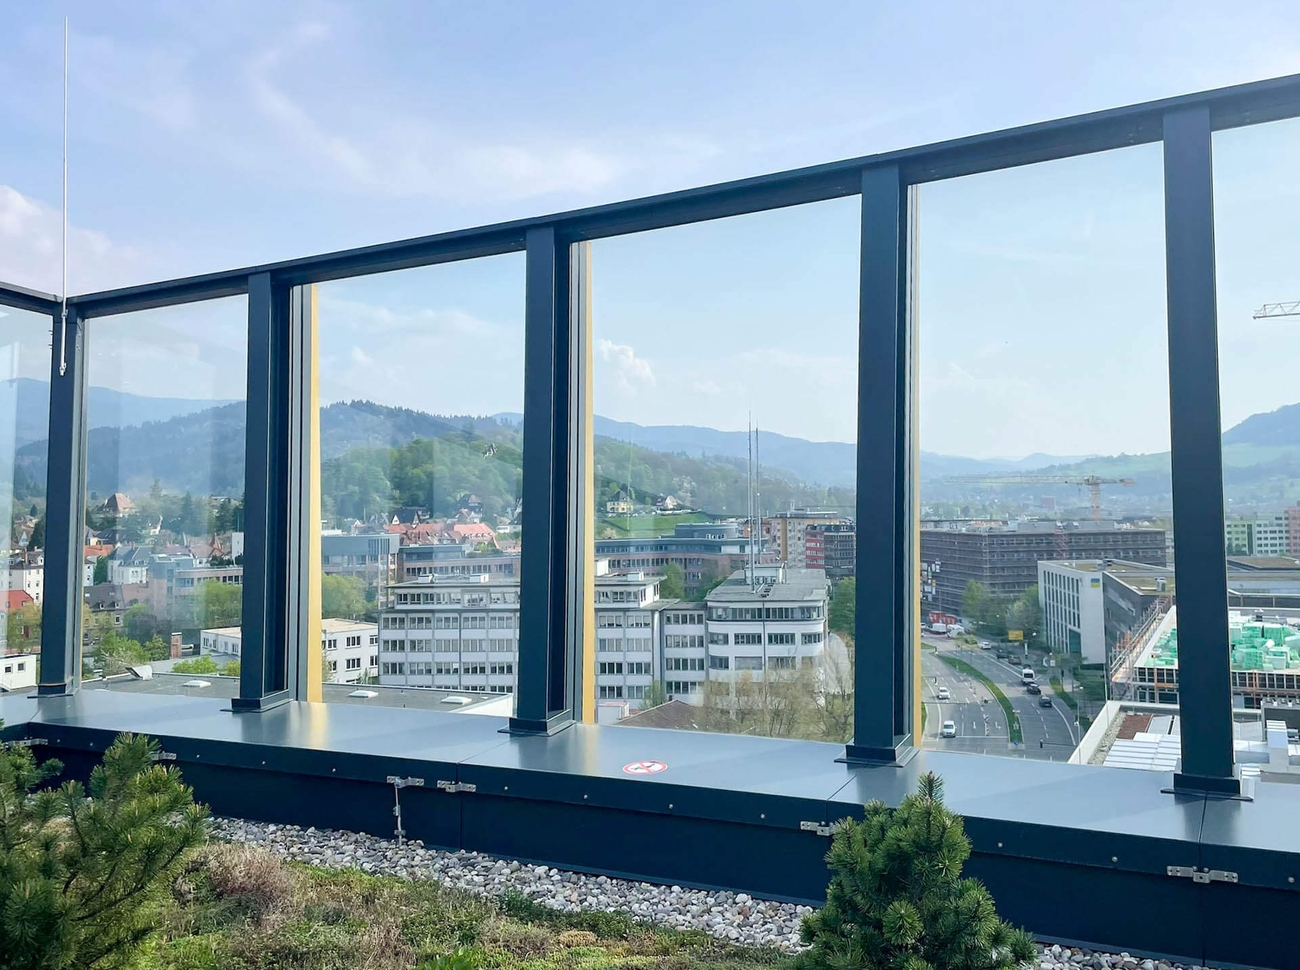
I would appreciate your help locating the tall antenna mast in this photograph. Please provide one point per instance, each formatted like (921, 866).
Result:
(749, 494)
(63, 299)
(758, 496)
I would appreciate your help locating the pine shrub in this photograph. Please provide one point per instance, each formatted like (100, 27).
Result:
(82, 870)
(897, 901)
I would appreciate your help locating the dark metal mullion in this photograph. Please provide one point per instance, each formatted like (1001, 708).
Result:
(544, 584)
(65, 510)
(1204, 674)
(263, 676)
(879, 635)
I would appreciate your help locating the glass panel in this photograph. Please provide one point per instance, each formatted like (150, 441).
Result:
(1257, 255)
(24, 426)
(165, 498)
(421, 401)
(725, 557)
(1045, 498)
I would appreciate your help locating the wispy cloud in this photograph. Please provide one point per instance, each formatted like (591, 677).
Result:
(31, 248)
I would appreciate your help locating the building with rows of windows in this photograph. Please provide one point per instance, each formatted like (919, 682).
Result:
(461, 632)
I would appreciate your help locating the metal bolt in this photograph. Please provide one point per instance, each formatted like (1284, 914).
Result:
(1290, 878)
(506, 788)
(584, 798)
(999, 845)
(670, 804)
(1114, 858)
(762, 814)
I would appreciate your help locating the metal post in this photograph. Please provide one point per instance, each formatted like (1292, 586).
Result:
(1204, 674)
(549, 570)
(881, 641)
(65, 511)
(270, 585)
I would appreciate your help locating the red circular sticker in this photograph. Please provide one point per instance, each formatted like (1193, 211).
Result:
(645, 768)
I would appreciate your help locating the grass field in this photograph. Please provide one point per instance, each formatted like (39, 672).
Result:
(239, 908)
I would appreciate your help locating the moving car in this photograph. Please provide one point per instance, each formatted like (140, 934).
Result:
(949, 730)
(1044, 701)
(985, 645)
(943, 693)
(1027, 675)
(1032, 688)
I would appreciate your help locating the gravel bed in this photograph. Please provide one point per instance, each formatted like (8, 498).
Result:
(736, 917)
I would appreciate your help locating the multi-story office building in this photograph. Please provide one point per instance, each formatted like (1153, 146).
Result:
(833, 548)
(350, 648)
(787, 534)
(1005, 559)
(1071, 599)
(452, 559)
(369, 557)
(1260, 535)
(773, 620)
(703, 550)
(460, 633)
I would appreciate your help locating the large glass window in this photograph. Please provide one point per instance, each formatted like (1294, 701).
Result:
(24, 425)
(1257, 239)
(164, 542)
(725, 391)
(1046, 545)
(421, 401)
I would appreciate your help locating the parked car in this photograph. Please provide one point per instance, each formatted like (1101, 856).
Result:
(949, 730)
(1044, 701)
(1033, 689)
(943, 693)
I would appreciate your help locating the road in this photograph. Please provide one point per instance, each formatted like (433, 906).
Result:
(1049, 733)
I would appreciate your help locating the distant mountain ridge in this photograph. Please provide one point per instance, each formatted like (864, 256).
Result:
(197, 445)
(105, 407)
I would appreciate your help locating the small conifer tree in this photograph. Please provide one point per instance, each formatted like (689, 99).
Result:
(896, 899)
(81, 870)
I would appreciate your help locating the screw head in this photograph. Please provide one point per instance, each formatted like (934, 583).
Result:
(1114, 858)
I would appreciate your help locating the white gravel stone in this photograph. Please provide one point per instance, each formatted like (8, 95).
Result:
(736, 917)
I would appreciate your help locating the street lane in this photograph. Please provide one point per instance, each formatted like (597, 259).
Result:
(1049, 733)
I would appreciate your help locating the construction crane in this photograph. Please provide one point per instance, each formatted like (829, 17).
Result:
(1094, 483)
(1270, 310)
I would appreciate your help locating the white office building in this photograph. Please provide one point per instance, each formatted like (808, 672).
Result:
(350, 648)
(771, 622)
(1070, 597)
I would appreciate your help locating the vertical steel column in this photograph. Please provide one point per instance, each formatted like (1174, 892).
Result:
(881, 642)
(1204, 675)
(264, 680)
(550, 570)
(65, 510)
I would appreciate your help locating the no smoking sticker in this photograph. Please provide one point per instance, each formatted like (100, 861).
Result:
(645, 768)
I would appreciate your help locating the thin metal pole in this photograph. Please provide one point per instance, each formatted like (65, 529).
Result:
(63, 297)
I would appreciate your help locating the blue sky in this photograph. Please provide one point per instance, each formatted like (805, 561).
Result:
(224, 134)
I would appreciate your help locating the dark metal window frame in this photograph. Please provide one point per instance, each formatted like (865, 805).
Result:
(551, 570)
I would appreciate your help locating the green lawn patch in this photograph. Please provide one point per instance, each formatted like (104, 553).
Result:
(1013, 719)
(237, 907)
(1064, 694)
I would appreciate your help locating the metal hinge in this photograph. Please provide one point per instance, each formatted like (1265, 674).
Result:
(25, 743)
(398, 782)
(1201, 875)
(456, 786)
(164, 756)
(817, 828)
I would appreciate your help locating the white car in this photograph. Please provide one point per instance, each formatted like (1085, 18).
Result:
(985, 645)
(943, 693)
(949, 730)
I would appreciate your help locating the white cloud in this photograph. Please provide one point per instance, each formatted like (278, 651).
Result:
(403, 157)
(31, 249)
(631, 373)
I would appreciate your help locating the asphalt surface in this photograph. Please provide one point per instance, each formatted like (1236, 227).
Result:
(1049, 733)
